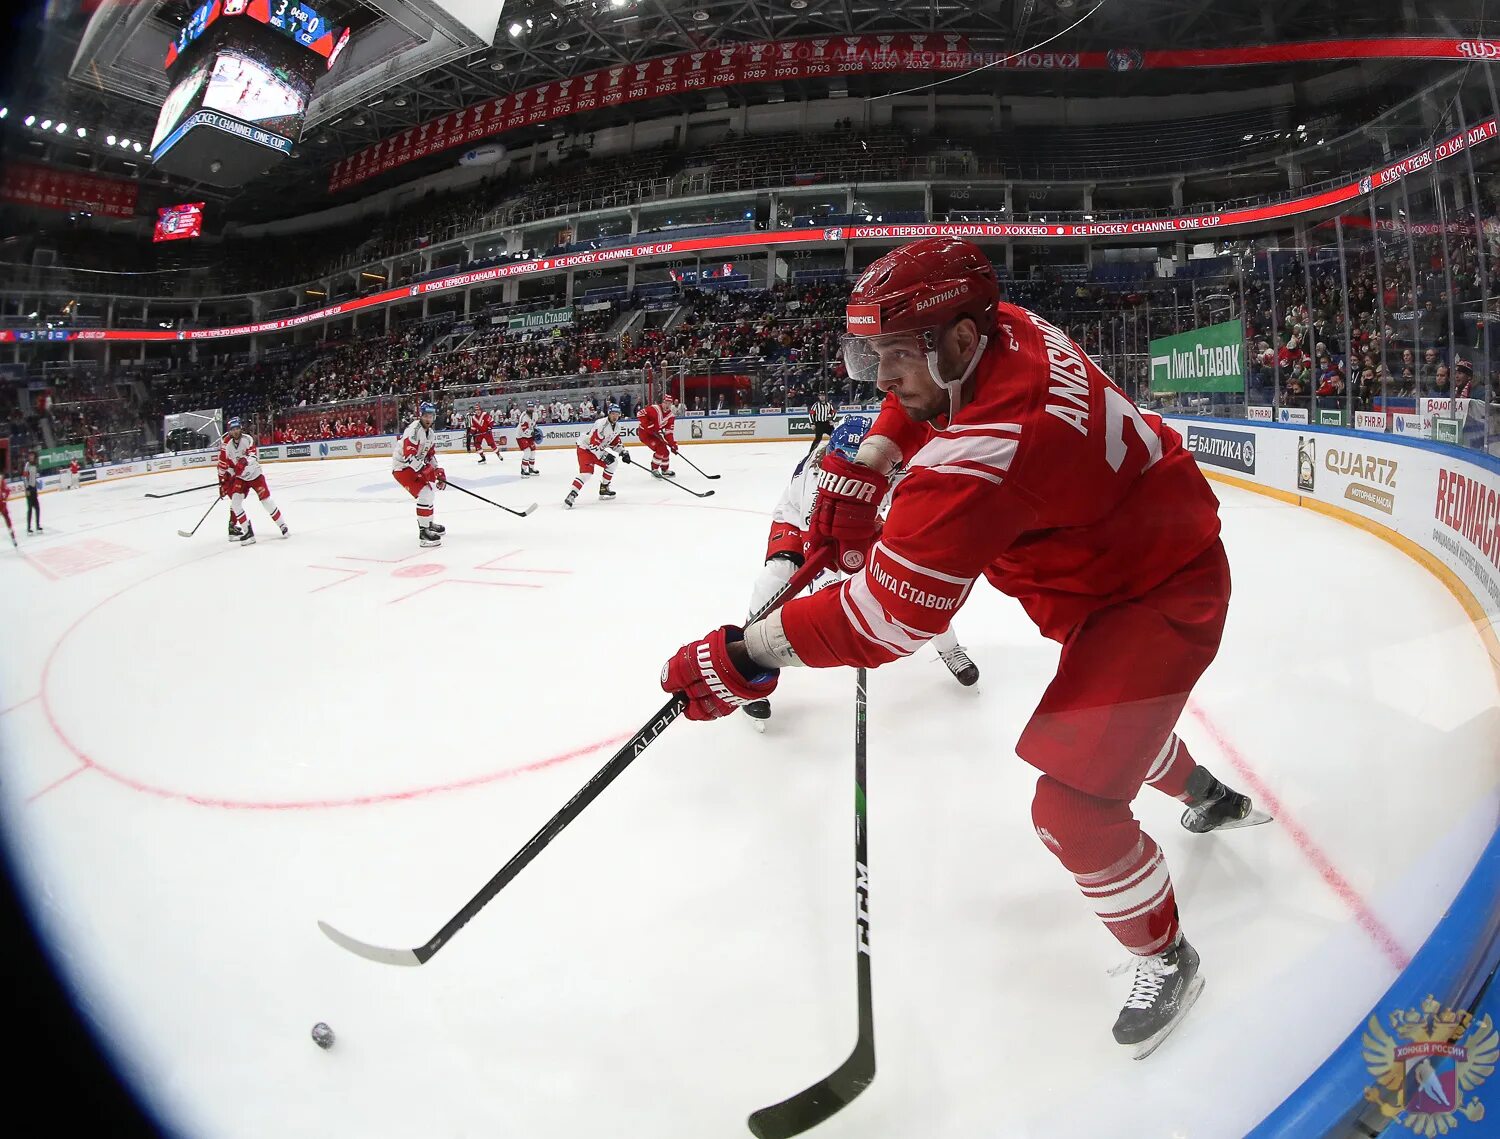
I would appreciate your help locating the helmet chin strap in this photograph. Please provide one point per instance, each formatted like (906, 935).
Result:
(954, 387)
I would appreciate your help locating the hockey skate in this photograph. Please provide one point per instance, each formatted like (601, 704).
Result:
(1165, 988)
(605, 492)
(247, 536)
(427, 536)
(437, 528)
(964, 670)
(235, 533)
(1215, 807)
(285, 532)
(481, 458)
(759, 712)
(656, 474)
(571, 499)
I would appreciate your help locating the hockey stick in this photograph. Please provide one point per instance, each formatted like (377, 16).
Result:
(201, 521)
(556, 824)
(813, 1105)
(190, 490)
(678, 485)
(696, 467)
(508, 510)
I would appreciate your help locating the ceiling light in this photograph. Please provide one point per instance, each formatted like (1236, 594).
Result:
(125, 142)
(83, 132)
(1248, 137)
(136, 147)
(46, 124)
(62, 128)
(515, 30)
(399, 100)
(563, 45)
(497, 66)
(359, 120)
(799, 4)
(700, 15)
(4, 111)
(30, 120)
(109, 140)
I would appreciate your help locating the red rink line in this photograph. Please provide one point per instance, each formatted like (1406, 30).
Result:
(1364, 915)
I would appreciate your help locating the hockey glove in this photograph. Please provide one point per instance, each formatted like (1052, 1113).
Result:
(703, 673)
(846, 512)
(673, 446)
(625, 458)
(440, 476)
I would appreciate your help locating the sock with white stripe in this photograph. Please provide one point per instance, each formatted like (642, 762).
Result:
(1170, 770)
(1118, 867)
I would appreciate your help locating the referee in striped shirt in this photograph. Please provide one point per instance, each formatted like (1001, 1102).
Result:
(821, 413)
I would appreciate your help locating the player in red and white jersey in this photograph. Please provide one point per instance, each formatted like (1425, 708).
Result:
(1029, 468)
(239, 472)
(482, 431)
(414, 464)
(785, 549)
(598, 448)
(657, 429)
(528, 435)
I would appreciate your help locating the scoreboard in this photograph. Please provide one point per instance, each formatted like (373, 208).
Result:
(298, 21)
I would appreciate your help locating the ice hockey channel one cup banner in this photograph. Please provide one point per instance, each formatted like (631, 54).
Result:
(1210, 359)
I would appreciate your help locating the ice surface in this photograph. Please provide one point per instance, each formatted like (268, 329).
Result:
(208, 748)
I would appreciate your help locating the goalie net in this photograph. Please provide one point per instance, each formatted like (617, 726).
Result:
(193, 430)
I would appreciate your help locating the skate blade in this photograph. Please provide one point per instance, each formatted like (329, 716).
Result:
(1253, 819)
(1189, 999)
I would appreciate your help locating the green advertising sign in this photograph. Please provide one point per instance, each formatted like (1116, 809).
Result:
(1208, 359)
(1330, 417)
(549, 318)
(1444, 429)
(51, 457)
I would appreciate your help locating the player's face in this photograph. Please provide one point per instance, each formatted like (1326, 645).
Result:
(236, 432)
(903, 369)
(427, 418)
(614, 417)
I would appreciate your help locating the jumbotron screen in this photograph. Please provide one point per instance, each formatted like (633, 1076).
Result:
(178, 223)
(237, 104)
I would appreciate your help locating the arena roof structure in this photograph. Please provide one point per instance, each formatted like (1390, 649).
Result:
(411, 63)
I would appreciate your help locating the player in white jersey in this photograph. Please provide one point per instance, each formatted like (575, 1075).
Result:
(528, 438)
(239, 471)
(784, 550)
(597, 447)
(414, 464)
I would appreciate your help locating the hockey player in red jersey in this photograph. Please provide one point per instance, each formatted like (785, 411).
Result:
(598, 447)
(414, 466)
(239, 472)
(657, 429)
(482, 432)
(5, 510)
(1029, 468)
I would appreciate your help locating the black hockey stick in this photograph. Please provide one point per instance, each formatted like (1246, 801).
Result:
(201, 521)
(556, 824)
(675, 483)
(813, 1105)
(508, 510)
(190, 490)
(695, 466)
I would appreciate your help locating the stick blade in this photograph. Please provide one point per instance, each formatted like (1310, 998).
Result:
(370, 952)
(814, 1105)
(530, 509)
(185, 533)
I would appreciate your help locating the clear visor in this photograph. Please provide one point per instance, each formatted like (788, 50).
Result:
(864, 356)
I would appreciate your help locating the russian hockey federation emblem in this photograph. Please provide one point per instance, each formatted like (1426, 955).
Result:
(1422, 1080)
(1124, 59)
(1365, 184)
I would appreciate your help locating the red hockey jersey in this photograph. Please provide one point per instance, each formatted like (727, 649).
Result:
(654, 422)
(1050, 484)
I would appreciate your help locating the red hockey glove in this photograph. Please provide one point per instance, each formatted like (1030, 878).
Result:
(674, 447)
(846, 512)
(703, 673)
(226, 485)
(239, 467)
(440, 477)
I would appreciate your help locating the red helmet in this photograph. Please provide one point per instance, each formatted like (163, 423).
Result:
(923, 286)
(668, 397)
